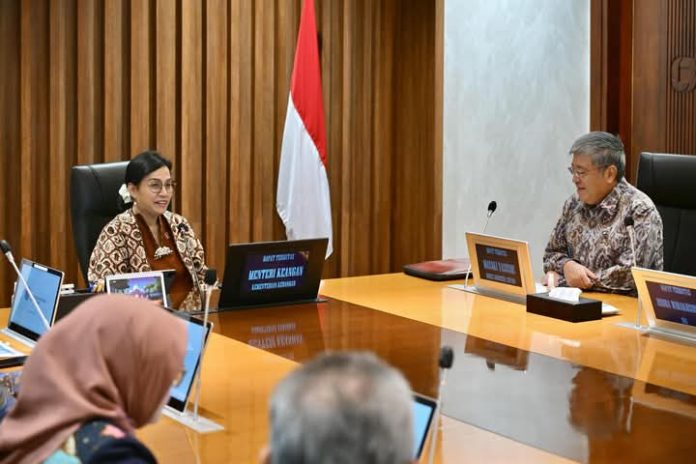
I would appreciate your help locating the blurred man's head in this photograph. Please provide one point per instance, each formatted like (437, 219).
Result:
(342, 408)
(598, 165)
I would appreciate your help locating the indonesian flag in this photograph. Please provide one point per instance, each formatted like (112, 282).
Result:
(303, 201)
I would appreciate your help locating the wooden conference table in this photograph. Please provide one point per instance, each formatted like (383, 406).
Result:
(523, 387)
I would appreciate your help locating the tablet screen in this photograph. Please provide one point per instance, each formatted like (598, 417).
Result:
(180, 392)
(423, 411)
(149, 285)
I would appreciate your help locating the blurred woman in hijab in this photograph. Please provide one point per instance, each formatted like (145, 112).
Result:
(96, 376)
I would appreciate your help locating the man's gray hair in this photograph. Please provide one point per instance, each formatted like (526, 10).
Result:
(342, 408)
(604, 148)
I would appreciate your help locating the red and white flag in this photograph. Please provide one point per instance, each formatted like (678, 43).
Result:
(303, 200)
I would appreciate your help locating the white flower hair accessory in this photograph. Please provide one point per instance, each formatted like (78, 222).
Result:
(125, 194)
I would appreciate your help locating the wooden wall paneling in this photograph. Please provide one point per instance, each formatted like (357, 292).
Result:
(10, 137)
(89, 82)
(363, 170)
(357, 153)
(207, 84)
(438, 116)
(599, 49)
(165, 79)
(664, 93)
(216, 129)
(116, 81)
(263, 197)
(242, 74)
(287, 26)
(346, 113)
(611, 55)
(685, 98)
(191, 158)
(649, 78)
(140, 79)
(34, 132)
(680, 94)
(622, 73)
(332, 78)
(61, 131)
(417, 228)
(383, 136)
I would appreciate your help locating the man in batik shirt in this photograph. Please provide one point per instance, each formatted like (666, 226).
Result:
(590, 247)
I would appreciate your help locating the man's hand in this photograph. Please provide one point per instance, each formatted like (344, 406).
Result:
(577, 275)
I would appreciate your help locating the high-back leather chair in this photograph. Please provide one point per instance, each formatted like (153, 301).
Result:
(670, 181)
(93, 203)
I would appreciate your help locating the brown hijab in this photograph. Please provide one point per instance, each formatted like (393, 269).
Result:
(114, 357)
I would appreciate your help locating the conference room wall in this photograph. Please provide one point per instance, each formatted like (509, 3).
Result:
(643, 84)
(206, 83)
(516, 95)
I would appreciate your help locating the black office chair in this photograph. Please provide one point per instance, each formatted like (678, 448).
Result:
(93, 203)
(670, 181)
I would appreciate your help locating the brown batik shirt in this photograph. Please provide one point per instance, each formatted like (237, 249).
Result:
(120, 249)
(596, 237)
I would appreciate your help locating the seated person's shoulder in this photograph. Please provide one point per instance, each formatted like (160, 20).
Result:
(175, 218)
(178, 221)
(120, 221)
(102, 442)
(570, 206)
(642, 205)
(119, 227)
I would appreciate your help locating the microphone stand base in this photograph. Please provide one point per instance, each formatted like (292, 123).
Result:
(519, 299)
(632, 326)
(661, 333)
(200, 424)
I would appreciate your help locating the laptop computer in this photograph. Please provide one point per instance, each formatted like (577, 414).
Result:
(668, 301)
(266, 273)
(70, 301)
(423, 413)
(501, 268)
(179, 394)
(25, 324)
(149, 285)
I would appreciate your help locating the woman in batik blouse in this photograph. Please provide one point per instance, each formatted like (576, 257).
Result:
(147, 236)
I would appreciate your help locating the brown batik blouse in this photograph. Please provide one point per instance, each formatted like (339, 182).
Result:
(121, 249)
(169, 259)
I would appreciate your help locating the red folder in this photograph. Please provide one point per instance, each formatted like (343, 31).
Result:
(444, 269)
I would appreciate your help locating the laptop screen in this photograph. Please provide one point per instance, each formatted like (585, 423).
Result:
(673, 303)
(149, 285)
(179, 393)
(44, 283)
(423, 411)
(272, 272)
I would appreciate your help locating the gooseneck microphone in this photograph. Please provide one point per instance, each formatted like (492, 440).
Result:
(445, 362)
(183, 228)
(492, 206)
(7, 251)
(629, 223)
(210, 284)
